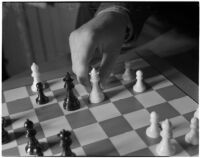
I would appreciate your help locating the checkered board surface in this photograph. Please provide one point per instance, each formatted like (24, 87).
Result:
(115, 127)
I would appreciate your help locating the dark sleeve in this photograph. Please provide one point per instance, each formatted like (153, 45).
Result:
(138, 13)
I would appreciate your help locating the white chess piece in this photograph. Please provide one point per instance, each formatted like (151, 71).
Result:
(127, 76)
(96, 95)
(196, 114)
(165, 147)
(192, 137)
(36, 76)
(153, 130)
(139, 85)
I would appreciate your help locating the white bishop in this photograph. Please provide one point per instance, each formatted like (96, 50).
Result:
(96, 95)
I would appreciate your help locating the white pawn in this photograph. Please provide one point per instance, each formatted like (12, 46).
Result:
(36, 76)
(165, 147)
(196, 114)
(153, 131)
(139, 85)
(96, 95)
(192, 137)
(127, 76)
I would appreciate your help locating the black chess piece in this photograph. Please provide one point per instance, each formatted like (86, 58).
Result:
(33, 147)
(41, 99)
(5, 135)
(65, 143)
(71, 102)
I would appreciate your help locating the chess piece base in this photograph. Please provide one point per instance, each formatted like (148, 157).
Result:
(5, 137)
(71, 107)
(152, 134)
(42, 101)
(162, 150)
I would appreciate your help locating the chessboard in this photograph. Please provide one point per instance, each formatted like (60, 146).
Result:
(114, 127)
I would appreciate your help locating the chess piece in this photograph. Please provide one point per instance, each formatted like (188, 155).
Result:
(65, 142)
(196, 114)
(165, 147)
(96, 95)
(139, 85)
(71, 102)
(36, 76)
(33, 147)
(5, 135)
(153, 131)
(127, 76)
(41, 99)
(192, 137)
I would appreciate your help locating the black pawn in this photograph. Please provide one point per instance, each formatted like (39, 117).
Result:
(33, 147)
(5, 135)
(41, 99)
(65, 143)
(71, 101)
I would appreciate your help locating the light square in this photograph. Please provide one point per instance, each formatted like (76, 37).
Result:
(81, 90)
(4, 110)
(138, 118)
(14, 94)
(184, 105)
(56, 84)
(149, 99)
(180, 126)
(127, 142)
(117, 93)
(54, 126)
(20, 118)
(158, 82)
(105, 111)
(89, 134)
(49, 94)
(79, 151)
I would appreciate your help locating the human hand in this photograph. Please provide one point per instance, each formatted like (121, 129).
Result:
(101, 37)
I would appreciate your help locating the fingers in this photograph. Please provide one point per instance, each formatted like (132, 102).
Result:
(107, 65)
(82, 49)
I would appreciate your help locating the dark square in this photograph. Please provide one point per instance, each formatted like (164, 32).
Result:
(11, 152)
(3, 98)
(19, 105)
(115, 126)
(54, 144)
(189, 148)
(48, 112)
(80, 118)
(189, 115)
(60, 94)
(127, 105)
(149, 72)
(149, 141)
(141, 153)
(170, 93)
(20, 134)
(101, 148)
(164, 110)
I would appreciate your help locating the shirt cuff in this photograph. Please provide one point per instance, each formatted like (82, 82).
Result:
(124, 12)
